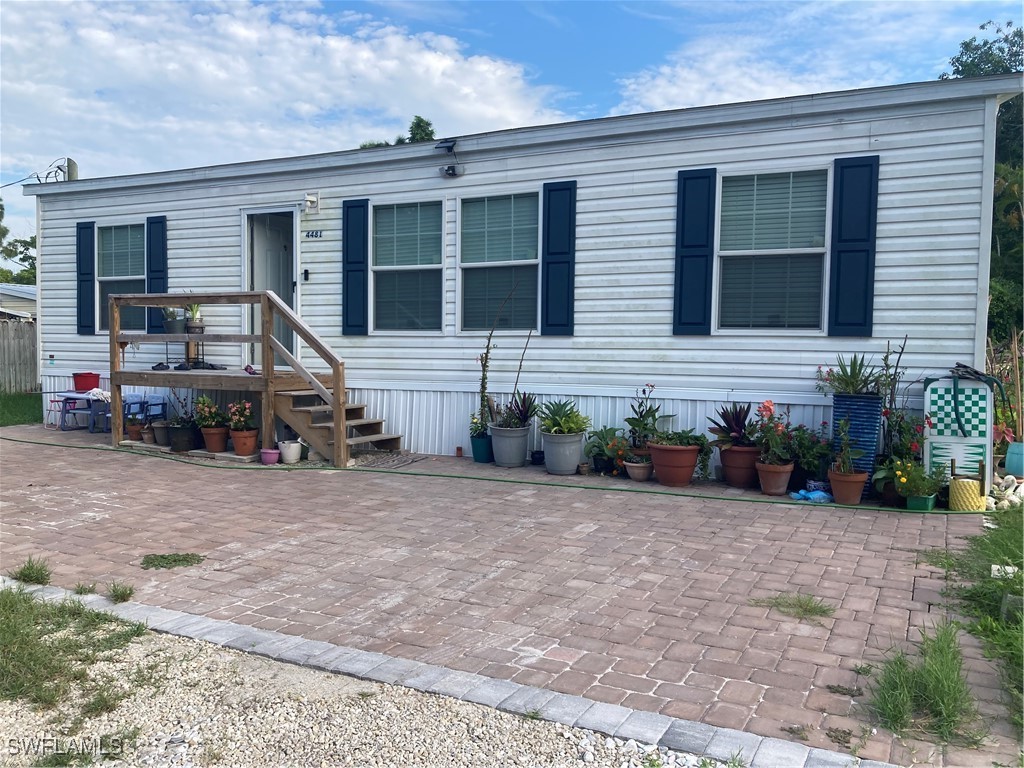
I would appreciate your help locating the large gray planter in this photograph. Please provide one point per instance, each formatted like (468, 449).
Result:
(509, 445)
(563, 453)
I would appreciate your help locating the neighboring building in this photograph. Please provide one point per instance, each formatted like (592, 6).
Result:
(17, 301)
(721, 252)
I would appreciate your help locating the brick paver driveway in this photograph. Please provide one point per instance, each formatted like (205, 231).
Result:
(634, 599)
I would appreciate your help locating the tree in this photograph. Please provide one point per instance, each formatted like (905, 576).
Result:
(420, 129)
(1002, 55)
(999, 56)
(20, 250)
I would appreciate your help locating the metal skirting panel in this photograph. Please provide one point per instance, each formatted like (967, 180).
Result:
(436, 422)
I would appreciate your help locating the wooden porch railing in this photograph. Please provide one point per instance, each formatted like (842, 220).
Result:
(270, 306)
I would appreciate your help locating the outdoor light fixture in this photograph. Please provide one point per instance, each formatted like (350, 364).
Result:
(312, 202)
(448, 145)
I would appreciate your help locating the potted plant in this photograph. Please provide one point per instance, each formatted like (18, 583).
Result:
(181, 432)
(775, 462)
(242, 428)
(133, 424)
(812, 454)
(213, 423)
(847, 482)
(193, 319)
(676, 455)
(856, 387)
(639, 467)
(480, 439)
(918, 486)
(510, 430)
(562, 428)
(172, 323)
(643, 424)
(607, 448)
(735, 442)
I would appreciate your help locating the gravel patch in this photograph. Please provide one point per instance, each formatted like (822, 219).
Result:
(190, 703)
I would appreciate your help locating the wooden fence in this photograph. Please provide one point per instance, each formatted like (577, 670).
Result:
(19, 361)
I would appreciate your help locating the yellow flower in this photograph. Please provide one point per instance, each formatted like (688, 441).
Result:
(903, 479)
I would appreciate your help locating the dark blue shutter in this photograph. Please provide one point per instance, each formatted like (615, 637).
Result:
(85, 255)
(852, 260)
(558, 259)
(695, 252)
(156, 268)
(355, 263)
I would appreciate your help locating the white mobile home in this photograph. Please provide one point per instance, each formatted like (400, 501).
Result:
(722, 253)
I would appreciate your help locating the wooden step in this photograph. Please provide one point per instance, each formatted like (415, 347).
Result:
(382, 441)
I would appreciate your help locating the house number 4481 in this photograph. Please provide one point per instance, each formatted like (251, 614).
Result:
(314, 233)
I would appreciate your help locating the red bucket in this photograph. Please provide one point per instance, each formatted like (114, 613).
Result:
(86, 381)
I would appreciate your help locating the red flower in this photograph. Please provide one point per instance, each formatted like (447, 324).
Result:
(919, 428)
(885, 412)
(914, 446)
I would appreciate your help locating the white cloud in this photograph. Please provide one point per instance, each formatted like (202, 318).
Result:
(134, 87)
(748, 51)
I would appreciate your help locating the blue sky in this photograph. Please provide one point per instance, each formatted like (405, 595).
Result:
(130, 87)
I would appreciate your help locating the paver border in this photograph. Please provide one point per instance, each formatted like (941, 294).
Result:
(575, 711)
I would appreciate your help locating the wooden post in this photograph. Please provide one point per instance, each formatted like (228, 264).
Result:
(116, 406)
(266, 331)
(341, 452)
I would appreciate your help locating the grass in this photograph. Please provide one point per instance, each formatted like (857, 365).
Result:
(803, 607)
(20, 408)
(120, 592)
(82, 588)
(931, 693)
(32, 572)
(979, 595)
(172, 560)
(48, 648)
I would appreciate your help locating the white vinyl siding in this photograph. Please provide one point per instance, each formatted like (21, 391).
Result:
(407, 267)
(499, 234)
(121, 268)
(772, 250)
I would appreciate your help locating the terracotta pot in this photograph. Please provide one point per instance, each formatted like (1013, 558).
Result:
(774, 478)
(244, 441)
(216, 439)
(674, 464)
(640, 471)
(738, 468)
(847, 488)
(134, 431)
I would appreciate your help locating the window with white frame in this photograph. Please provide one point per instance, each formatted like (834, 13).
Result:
(498, 257)
(407, 267)
(771, 250)
(121, 268)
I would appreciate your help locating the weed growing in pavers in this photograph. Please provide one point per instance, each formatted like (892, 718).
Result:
(798, 606)
(864, 670)
(652, 760)
(931, 694)
(85, 589)
(532, 714)
(32, 572)
(120, 592)
(840, 736)
(796, 731)
(172, 560)
(845, 690)
(980, 594)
